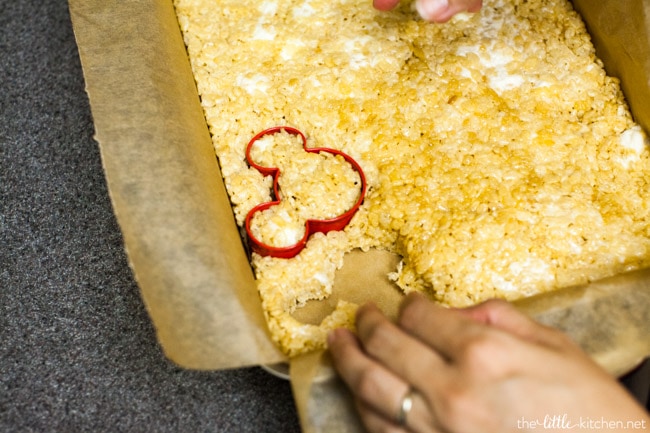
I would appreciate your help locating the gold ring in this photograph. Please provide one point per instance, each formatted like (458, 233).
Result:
(405, 407)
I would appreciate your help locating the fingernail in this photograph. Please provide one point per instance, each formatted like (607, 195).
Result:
(431, 9)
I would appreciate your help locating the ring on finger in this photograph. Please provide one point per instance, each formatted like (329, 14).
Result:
(406, 404)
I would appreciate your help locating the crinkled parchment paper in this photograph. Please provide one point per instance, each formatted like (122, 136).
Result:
(166, 187)
(183, 243)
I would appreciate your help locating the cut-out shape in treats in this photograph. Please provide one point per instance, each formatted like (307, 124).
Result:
(314, 190)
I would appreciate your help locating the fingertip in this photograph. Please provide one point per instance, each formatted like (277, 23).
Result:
(410, 299)
(413, 297)
(475, 6)
(432, 10)
(338, 336)
(368, 306)
(366, 309)
(487, 312)
(496, 308)
(494, 304)
(384, 5)
(414, 308)
(441, 11)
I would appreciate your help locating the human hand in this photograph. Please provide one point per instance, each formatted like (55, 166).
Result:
(439, 11)
(483, 369)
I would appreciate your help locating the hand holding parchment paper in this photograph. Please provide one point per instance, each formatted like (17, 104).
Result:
(486, 368)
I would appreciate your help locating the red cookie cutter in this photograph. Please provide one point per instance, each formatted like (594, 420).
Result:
(311, 225)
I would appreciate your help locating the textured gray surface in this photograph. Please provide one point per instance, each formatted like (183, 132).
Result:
(77, 349)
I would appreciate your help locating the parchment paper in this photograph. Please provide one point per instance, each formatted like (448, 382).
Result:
(183, 243)
(610, 319)
(620, 31)
(166, 187)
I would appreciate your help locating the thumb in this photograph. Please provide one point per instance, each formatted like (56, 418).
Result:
(441, 11)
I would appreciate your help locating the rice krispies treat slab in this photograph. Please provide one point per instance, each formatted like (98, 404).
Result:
(501, 160)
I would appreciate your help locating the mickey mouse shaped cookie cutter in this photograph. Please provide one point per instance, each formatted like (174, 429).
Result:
(311, 225)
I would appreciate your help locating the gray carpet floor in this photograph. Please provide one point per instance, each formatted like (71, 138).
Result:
(77, 350)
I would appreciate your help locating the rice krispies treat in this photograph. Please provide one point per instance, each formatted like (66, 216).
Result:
(501, 160)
